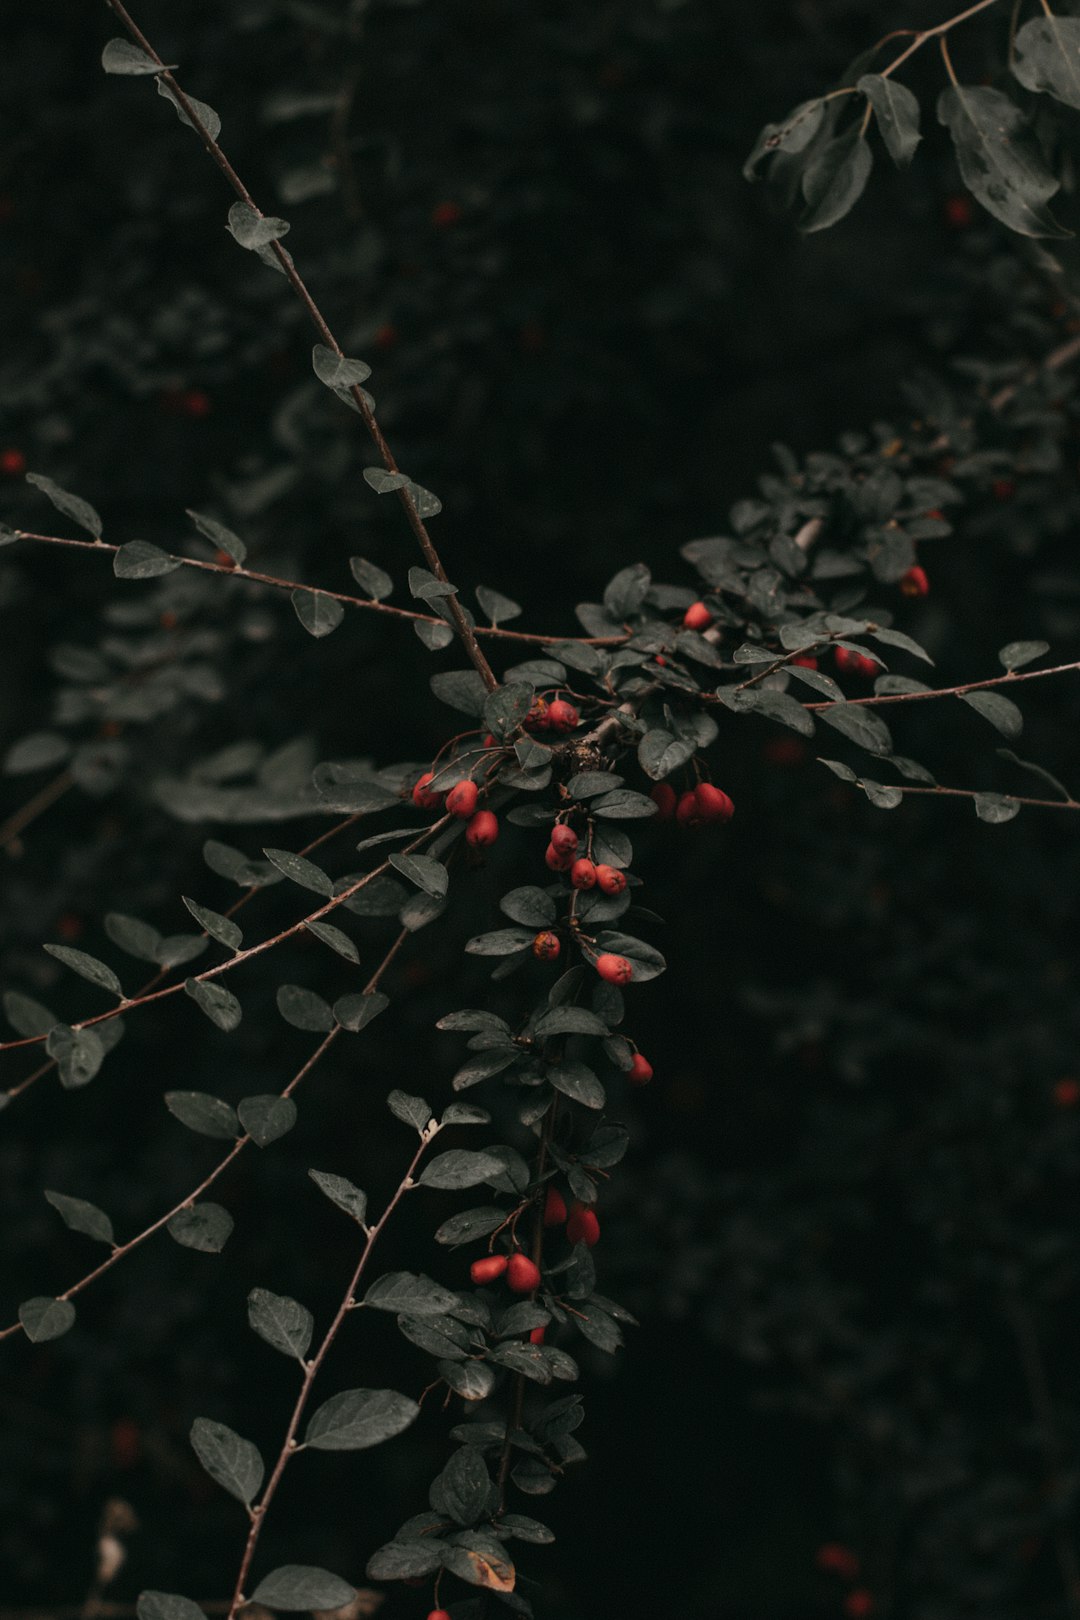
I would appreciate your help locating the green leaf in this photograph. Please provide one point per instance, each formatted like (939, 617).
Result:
(462, 1489)
(253, 230)
(793, 134)
(140, 560)
(497, 607)
(624, 805)
(415, 1111)
(359, 1418)
(203, 1113)
(660, 753)
(336, 939)
(406, 1559)
(897, 638)
(506, 708)
(860, 725)
(460, 1168)
(897, 114)
(383, 482)
(223, 929)
(429, 875)
(43, 1319)
(206, 115)
(335, 370)
(80, 1216)
(1001, 712)
(461, 689)
(355, 1012)
(1046, 57)
(121, 56)
(502, 942)
(342, 1193)
(219, 1005)
(834, 180)
(1015, 654)
(221, 537)
(999, 161)
(995, 808)
(317, 612)
(299, 1586)
(375, 581)
(577, 1081)
(230, 1460)
(27, 1016)
(87, 967)
(465, 1114)
(569, 1021)
(167, 1606)
(78, 1053)
(36, 752)
(205, 1227)
(284, 1323)
(72, 506)
(137, 938)
(530, 906)
(779, 706)
(470, 1225)
(302, 871)
(411, 1295)
(304, 1009)
(266, 1117)
(481, 1560)
(882, 796)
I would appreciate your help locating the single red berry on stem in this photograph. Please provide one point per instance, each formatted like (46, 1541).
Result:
(697, 617)
(915, 582)
(855, 663)
(583, 1226)
(423, 796)
(385, 336)
(583, 874)
(439, 1614)
(547, 947)
(558, 860)
(687, 813)
(564, 838)
(804, 661)
(712, 803)
(610, 879)
(554, 1207)
(522, 1274)
(958, 212)
(537, 1335)
(483, 829)
(640, 1071)
(614, 969)
(488, 1269)
(665, 798)
(838, 1560)
(445, 214)
(12, 463)
(858, 1604)
(461, 799)
(562, 716)
(1067, 1093)
(196, 402)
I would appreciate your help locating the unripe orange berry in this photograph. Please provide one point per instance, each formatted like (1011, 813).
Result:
(614, 969)
(488, 1269)
(583, 1226)
(537, 1335)
(664, 797)
(564, 838)
(461, 799)
(640, 1071)
(610, 879)
(855, 663)
(547, 947)
(583, 874)
(423, 796)
(562, 716)
(558, 860)
(554, 1207)
(915, 582)
(483, 829)
(522, 1274)
(712, 803)
(697, 617)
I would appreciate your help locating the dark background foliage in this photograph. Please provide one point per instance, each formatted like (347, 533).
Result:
(845, 1220)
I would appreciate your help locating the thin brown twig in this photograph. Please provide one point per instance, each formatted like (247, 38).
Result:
(289, 1446)
(978, 793)
(41, 801)
(318, 320)
(369, 604)
(1010, 678)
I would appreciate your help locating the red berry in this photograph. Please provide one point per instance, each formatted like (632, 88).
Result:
(855, 663)
(537, 1335)
(554, 1207)
(196, 403)
(712, 804)
(804, 661)
(537, 716)
(385, 336)
(564, 839)
(640, 1071)
(439, 1614)
(558, 860)
(687, 813)
(488, 1269)
(423, 796)
(664, 797)
(610, 879)
(489, 741)
(562, 716)
(1067, 1093)
(697, 617)
(614, 969)
(1003, 489)
(12, 463)
(838, 1560)
(859, 1604)
(546, 947)
(583, 1226)
(522, 1274)
(482, 830)
(461, 799)
(915, 582)
(958, 212)
(445, 214)
(583, 874)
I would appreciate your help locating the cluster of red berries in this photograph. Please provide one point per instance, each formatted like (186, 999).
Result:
(581, 1223)
(553, 714)
(461, 801)
(836, 1559)
(855, 663)
(522, 1274)
(697, 807)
